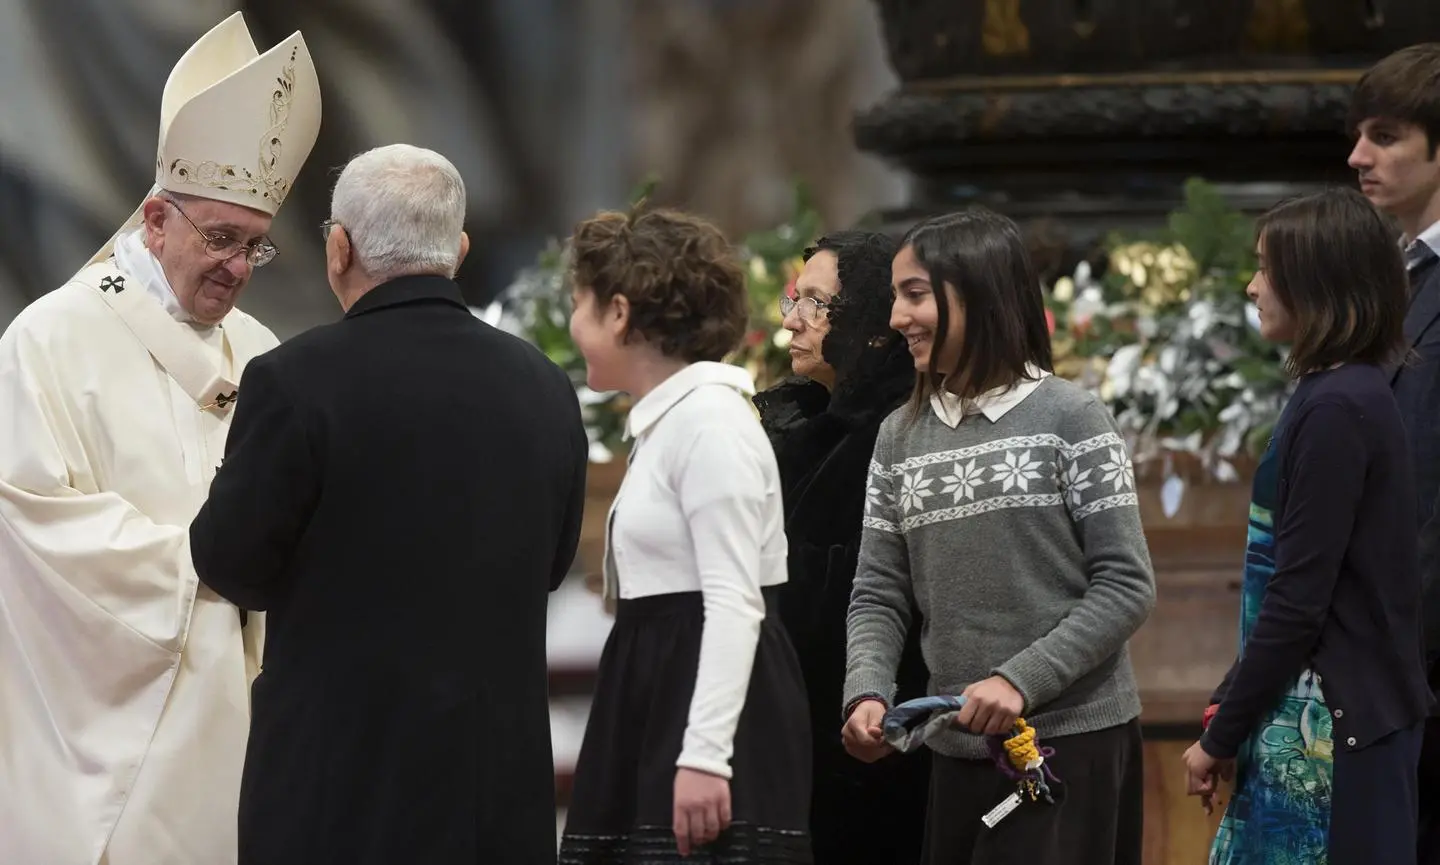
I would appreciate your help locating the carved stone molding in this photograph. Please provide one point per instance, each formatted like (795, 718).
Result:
(1073, 157)
(920, 125)
(930, 39)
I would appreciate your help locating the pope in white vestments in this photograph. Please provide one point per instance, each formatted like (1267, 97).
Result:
(124, 683)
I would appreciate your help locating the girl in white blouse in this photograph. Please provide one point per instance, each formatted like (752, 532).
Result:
(698, 740)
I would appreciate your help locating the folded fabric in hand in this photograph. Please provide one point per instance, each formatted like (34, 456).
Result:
(910, 724)
(1017, 754)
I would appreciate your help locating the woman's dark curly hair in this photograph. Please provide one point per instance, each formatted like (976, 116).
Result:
(680, 276)
(860, 313)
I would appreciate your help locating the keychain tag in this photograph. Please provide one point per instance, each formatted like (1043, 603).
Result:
(1001, 811)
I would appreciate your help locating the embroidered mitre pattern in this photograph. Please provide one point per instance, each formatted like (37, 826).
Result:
(1019, 472)
(265, 181)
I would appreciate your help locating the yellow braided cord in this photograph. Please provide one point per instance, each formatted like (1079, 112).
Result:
(1021, 746)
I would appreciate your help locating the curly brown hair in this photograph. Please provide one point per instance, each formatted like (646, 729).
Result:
(679, 274)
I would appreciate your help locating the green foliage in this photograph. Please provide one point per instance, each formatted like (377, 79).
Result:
(1219, 238)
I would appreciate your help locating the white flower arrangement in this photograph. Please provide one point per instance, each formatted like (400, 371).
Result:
(1169, 341)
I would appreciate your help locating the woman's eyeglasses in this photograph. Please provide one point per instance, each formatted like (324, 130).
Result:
(809, 307)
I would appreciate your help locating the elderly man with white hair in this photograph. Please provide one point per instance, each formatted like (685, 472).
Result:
(401, 491)
(124, 682)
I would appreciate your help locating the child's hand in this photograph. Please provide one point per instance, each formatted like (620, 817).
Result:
(862, 733)
(991, 707)
(702, 808)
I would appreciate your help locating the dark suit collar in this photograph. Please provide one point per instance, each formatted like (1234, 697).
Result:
(1424, 301)
(407, 290)
(1424, 305)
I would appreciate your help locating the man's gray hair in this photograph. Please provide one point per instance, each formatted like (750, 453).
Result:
(404, 209)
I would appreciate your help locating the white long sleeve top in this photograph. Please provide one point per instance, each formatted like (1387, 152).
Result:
(700, 510)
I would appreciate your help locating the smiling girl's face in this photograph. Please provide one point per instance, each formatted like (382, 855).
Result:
(915, 315)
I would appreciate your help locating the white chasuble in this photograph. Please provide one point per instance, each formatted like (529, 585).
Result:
(124, 683)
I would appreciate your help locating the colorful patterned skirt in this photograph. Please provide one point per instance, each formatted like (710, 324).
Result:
(1279, 813)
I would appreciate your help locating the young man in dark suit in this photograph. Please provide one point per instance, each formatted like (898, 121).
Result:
(401, 491)
(1395, 122)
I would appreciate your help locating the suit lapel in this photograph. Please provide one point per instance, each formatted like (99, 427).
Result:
(1424, 306)
(173, 346)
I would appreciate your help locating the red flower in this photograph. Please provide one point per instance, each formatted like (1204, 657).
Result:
(1050, 321)
(754, 338)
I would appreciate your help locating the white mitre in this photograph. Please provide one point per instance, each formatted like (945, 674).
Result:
(235, 125)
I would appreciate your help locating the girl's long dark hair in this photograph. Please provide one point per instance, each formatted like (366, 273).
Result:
(981, 255)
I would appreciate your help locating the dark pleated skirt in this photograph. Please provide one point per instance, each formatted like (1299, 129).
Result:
(621, 807)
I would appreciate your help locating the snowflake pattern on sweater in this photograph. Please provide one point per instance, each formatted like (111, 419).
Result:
(1015, 537)
(1018, 472)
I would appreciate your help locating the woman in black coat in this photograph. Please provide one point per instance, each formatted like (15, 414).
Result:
(851, 371)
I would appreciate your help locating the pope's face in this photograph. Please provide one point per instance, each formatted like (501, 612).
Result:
(206, 285)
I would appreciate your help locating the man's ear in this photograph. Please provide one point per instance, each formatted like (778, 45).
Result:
(464, 251)
(154, 213)
(339, 255)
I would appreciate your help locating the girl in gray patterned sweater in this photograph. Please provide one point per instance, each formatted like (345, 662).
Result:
(1002, 507)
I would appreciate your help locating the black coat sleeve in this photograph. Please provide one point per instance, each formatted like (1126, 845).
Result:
(1218, 695)
(1325, 474)
(246, 534)
(569, 541)
(1430, 574)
